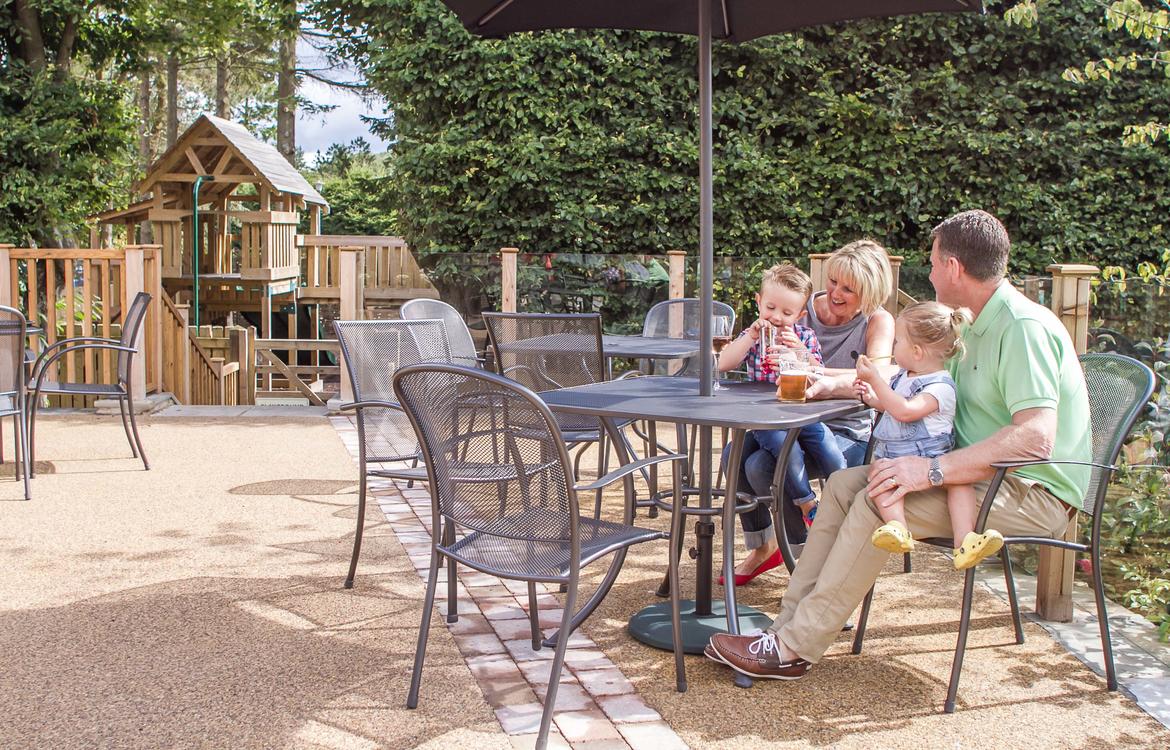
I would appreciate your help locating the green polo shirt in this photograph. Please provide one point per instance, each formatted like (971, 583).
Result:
(1019, 356)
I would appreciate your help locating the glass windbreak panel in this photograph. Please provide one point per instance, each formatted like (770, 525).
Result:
(1036, 288)
(1131, 317)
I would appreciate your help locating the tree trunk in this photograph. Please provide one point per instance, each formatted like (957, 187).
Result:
(32, 43)
(221, 86)
(286, 90)
(144, 121)
(144, 132)
(172, 98)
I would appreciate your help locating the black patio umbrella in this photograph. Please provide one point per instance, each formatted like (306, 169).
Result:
(731, 20)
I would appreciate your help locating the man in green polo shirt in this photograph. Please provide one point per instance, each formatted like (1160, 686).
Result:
(1021, 396)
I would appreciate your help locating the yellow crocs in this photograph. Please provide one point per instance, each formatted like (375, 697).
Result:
(977, 546)
(893, 537)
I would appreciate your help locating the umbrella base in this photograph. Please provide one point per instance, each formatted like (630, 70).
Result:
(651, 625)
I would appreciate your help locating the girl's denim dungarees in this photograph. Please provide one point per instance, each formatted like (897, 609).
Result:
(896, 439)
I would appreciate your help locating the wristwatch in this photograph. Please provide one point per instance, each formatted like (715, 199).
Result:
(935, 474)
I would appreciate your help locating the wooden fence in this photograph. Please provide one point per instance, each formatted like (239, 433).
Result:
(389, 273)
(83, 292)
(196, 375)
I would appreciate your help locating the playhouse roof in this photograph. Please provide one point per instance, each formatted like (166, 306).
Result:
(222, 149)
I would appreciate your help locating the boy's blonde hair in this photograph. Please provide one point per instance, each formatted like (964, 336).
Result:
(789, 277)
(864, 267)
(937, 327)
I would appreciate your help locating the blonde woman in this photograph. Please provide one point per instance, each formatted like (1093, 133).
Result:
(849, 321)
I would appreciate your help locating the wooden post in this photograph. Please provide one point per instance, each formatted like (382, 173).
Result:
(1070, 299)
(135, 282)
(183, 354)
(251, 365)
(1054, 571)
(220, 385)
(352, 305)
(6, 277)
(678, 273)
(239, 352)
(508, 279)
(891, 303)
(816, 269)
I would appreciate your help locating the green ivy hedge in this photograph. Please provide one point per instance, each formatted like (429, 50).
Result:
(586, 142)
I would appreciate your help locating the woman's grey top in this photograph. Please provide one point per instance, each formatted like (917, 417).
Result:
(840, 346)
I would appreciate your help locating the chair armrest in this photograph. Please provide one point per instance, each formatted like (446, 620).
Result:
(47, 359)
(630, 374)
(68, 342)
(1003, 467)
(1045, 461)
(629, 468)
(356, 405)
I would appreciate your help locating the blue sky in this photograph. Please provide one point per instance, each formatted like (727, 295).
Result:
(315, 133)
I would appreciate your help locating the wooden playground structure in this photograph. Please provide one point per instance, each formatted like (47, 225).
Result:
(241, 299)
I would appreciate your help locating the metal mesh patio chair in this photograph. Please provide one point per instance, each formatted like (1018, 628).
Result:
(458, 336)
(13, 394)
(679, 319)
(40, 384)
(374, 350)
(503, 503)
(1119, 389)
(548, 351)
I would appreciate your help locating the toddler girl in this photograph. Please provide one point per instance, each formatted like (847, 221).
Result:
(918, 418)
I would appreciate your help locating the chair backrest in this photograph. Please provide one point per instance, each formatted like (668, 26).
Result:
(458, 335)
(496, 460)
(373, 351)
(545, 350)
(131, 325)
(1119, 388)
(679, 319)
(13, 338)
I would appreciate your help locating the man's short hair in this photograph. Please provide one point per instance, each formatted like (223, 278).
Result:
(978, 240)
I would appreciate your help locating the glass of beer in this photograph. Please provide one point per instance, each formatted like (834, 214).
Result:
(792, 375)
(720, 337)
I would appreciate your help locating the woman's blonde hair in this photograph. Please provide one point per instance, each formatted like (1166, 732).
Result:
(936, 327)
(864, 266)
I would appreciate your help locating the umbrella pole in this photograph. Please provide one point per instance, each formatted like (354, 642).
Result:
(706, 219)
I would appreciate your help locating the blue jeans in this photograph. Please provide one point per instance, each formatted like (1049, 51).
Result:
(759, 465)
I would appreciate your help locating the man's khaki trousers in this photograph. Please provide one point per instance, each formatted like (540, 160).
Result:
(839, 564)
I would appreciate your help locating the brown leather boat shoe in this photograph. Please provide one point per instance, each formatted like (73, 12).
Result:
(757, 656)
(713, 655)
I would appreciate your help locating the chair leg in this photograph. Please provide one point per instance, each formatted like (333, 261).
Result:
(30, 452)
(674, 552)
(126, 426)
(859, 634)
(961, 645)
(424, 627)
(558, 663)
(1010, 580)
(357, 534)
(602, 468)
(452, 579)
(1103, 621)
(134, 427)
(413, 465)
(906, 565)
(534, 617)
(1, 443)
(20, 438)
(677, 541)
